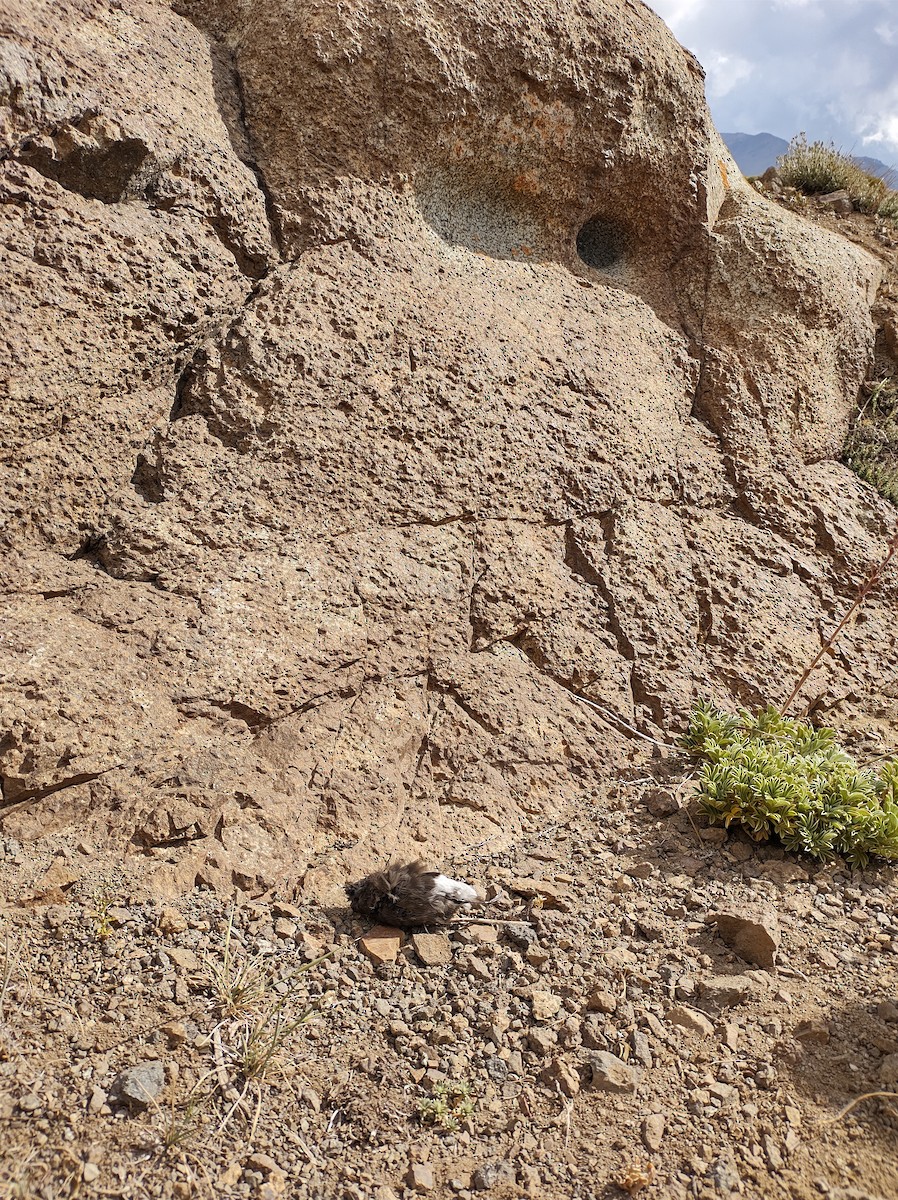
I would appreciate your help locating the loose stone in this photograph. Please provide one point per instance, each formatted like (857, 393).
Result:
(420, 1177)
(611, 1074)
(382, 944)
(691, 1020)
(653, 1132)
(753, 933)
(141, 1084)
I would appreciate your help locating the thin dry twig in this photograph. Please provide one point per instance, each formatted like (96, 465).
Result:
(461, 922)
(218, 1054)
(6, 971)
(144, 1030)
(306, 1149)
(255, 1124)
(177, 1131)
(863, 592)
(855, 1102)
(613, 719)
(698, 836)
(568, 1113)
(240, 1098)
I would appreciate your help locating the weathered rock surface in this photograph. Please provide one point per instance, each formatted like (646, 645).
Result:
(369, 407)
(752, 932)
(726, 991)
(433, 949)
(653, 1131)
(420, 1177)
(544, 1005)
(691, 1020)
(559, 1075)
(888, 1070)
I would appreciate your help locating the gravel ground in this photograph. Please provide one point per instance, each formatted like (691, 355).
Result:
(603, 1041)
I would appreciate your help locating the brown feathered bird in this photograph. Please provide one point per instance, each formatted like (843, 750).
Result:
(408, 894)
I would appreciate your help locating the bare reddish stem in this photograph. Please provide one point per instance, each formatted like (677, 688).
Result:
(863, 592)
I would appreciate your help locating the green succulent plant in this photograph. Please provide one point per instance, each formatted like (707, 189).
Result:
(451, 1102)
(778, 776)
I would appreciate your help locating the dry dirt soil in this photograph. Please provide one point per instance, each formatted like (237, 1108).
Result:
(609, 1041)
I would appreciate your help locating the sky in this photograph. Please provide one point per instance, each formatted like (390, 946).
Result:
(828, 68)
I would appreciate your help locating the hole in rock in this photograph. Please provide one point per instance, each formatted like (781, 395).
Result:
(107, 172)
(600, 243)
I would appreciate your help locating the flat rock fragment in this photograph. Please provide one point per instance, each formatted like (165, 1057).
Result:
(612, 1074)
(382, 944)
(433, 949)
(690, 1020)
(139, 1085)
(726, 991)
(753, 933)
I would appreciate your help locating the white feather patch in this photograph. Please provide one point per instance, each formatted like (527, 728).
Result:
(460, 892)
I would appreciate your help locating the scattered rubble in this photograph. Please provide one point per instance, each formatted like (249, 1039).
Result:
(637, 1029)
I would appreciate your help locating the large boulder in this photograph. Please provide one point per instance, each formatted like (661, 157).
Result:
(389, 391)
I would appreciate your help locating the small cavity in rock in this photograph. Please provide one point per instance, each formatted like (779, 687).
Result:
(600, 243)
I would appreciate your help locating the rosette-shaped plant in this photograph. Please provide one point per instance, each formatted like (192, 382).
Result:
(781, 777)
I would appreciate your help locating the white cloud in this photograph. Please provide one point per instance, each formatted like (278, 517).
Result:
(725, 72)
(885, 131)
(827, 67)
(675, 12)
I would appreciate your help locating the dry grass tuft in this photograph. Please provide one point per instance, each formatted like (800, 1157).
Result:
(8, 959)
(260, 1043)
(239, 981)
(815, 169)
(255, 1030)
(179, 1124)
(871, 448)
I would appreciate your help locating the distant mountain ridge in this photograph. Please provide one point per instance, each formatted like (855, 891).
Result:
(875, 167)
(755, 152)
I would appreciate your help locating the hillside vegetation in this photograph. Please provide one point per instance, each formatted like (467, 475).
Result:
(817, 169)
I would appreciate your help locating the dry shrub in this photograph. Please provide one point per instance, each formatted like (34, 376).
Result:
(815, 168)
(871, 448)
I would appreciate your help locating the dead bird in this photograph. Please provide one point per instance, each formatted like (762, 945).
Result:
(406, 895)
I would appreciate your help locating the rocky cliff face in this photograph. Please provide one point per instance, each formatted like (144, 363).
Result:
(385, 388)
